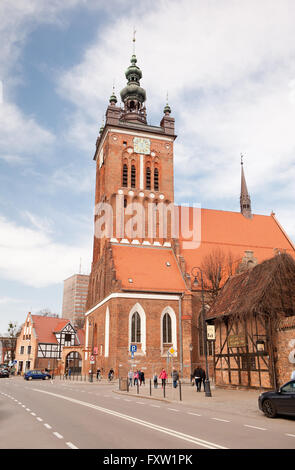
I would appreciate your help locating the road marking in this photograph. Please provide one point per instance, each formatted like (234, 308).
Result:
(223, 420)
(125, 399)
(33, 414)
(140, 403)
(39, 419)
(133, 420)
(172, 409)
(47, 426)
(28, 409)
(193, 414)
(71, 445)
(290, 435)
(155, 406)
(56, 434)
(254, 427)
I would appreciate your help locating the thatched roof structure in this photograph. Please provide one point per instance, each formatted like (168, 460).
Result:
(266, 289)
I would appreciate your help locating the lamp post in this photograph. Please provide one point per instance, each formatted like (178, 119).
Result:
(196, 283)
(91, 323)
(190, 351)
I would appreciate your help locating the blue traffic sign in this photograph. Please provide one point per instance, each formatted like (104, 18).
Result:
(133, 348)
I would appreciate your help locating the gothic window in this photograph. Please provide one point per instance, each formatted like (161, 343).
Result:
(125, 175)
(133, 176)
(167, 329)
(148, 178)
(135, 328)
(156, 179)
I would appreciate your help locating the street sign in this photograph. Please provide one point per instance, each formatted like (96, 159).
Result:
(92, 362)
(92, 358)
(210, 332)
(133, 348)
(132, 355)
(171, 351)
(95, 350)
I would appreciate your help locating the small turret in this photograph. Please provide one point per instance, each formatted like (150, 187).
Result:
(245, 201)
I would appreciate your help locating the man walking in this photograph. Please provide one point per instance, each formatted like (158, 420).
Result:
(198, 377)
(175, 377)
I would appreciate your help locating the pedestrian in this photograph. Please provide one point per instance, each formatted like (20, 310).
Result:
(175, 377)
(98, 375)
(111, 374)
(130, 377)
(70, 372)
(142, 378)
(155, 378)
(198, 377)
(163, 376)
(293, 375)
(203, 377)
(135, 377)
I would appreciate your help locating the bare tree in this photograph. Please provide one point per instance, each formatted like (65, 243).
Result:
(46, 312)
(79, 323)
(217, 267)
(10, 338)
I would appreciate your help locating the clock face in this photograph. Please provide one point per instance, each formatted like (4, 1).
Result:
(142, 145)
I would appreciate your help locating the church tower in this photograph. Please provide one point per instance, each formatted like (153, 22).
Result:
(134, 168)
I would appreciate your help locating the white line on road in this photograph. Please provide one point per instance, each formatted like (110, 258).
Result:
(155, 406)
(223, 420)
(28, 409)
(133, 420)
(33, 414)
(47, 426)
(172, 409)
(290, 435)
(56, 434)
(193, 414)
(71, 445)
(39, 419)
(254, 427)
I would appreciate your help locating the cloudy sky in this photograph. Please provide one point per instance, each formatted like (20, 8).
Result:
(229, 69)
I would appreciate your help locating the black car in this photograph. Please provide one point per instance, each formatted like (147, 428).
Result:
(281, 402)
(4, 373)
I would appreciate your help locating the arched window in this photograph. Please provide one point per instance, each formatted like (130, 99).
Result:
(148, 178)
(133, 176)
(167, 329)
(125, 175)
(135, 328)
(156, 179)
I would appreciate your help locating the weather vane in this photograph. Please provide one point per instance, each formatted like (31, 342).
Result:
(134, 31)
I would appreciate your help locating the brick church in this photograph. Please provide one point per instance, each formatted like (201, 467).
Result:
(145, 287)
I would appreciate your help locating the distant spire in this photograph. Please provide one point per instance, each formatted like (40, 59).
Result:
(245, 201)
(134, 40)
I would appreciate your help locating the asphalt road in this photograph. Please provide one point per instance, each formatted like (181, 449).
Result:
(60, 415)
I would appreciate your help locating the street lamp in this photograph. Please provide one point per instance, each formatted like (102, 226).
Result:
(191, 350)
(196, 272)
(91, 323)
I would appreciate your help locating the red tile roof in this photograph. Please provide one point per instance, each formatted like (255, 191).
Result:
(147, 267)
(46, 326)
(231, 231)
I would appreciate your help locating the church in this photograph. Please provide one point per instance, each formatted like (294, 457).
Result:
(149, 282)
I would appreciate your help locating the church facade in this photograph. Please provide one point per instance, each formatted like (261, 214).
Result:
(145, 290)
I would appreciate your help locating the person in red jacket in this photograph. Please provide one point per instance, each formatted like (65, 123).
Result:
(163, 375)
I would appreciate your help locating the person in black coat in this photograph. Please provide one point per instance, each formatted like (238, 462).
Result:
(198, 372)
(203, 376)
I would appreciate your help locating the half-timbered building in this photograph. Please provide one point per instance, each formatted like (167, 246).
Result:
(42, 340)
(254, 318)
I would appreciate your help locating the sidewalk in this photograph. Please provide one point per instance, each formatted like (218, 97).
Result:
(243, 402)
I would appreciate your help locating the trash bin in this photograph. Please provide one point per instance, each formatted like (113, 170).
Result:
(123, 384)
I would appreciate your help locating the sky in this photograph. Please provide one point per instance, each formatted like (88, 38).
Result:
(229, 69)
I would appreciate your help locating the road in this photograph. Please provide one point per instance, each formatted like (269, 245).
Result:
(61, 415)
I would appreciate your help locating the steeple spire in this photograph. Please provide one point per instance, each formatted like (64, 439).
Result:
(133, 95)
(245, 201)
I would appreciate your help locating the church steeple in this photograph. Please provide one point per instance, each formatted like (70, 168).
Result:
(245, 201)
(133, 95)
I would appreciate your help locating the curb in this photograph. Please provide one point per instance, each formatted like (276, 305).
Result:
(128, 394)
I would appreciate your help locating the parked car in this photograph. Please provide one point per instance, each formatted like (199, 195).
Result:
(4, 373)
(36, 374)
(281, 402)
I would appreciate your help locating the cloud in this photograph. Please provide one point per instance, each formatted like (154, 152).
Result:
(33, 258)
(229, 68)
(21, 137)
